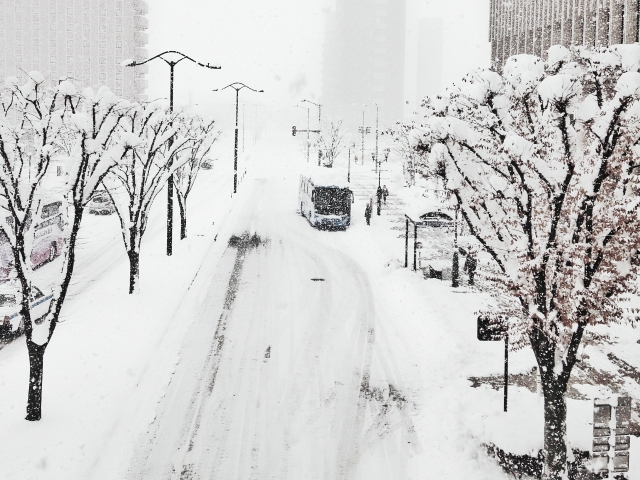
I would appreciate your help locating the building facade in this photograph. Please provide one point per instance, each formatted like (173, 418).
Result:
(84, 41)
(532, 26)
(364, 60)
(430, 57)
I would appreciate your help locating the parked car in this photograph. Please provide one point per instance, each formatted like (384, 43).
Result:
(48, 233)
(12, 323)
(436, 219)
(101, 204)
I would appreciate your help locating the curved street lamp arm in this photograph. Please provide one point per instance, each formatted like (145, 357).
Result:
(237, 89)
(136, 63)
(309, 101)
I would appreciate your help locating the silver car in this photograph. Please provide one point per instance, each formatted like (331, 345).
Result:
(11, 322)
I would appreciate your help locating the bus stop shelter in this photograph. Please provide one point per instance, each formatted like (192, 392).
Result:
(434, 218)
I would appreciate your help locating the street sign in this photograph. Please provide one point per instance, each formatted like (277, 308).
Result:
(491, 329)
(611, 441)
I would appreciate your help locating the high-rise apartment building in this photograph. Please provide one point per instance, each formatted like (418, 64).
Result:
(364, 59)
(82, 40)
(532, 26)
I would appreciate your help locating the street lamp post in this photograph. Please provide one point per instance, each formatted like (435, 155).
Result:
(377, 166)
(319, 111)
(235, 148)
(172, 64)
(307, 108)
(363, 132)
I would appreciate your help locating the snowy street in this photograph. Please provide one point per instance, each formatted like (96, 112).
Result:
(306, 354)
(293, 382)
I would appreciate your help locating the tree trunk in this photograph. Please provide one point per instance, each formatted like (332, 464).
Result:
(34, 399)
(555, 428)
(182, 203)
(134, 269)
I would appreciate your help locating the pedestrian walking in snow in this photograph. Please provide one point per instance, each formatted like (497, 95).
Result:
(367, 213)
(470, 265)
(385, 193)
(379, 195)
(5, 329)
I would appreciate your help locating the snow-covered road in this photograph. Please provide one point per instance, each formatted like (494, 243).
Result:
(275, 378)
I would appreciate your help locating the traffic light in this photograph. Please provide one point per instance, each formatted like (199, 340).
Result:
(293, 130)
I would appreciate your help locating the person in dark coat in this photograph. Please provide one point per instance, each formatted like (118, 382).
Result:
(367, 213)
(470, 265)
(385, 193)
(379, 195)
(5, 329)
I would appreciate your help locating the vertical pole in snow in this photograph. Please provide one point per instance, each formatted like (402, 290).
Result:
(377, 165)
(506, 368)
(415, 245)
(362, 157)
(406, 246)
(170, 180)
(307, 134)
(455, 267)
(349, 168)
(235, 150)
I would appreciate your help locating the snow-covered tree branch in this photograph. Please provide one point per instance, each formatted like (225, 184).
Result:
(330, 142)
(40, 126)
(543, 163)
(157, 139)
(203, 137)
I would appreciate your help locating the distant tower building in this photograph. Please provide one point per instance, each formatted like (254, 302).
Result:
(532, 26)
(364, 58)
(429, 61)
(83, 40)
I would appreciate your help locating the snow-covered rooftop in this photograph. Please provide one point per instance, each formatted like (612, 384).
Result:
(326, 177)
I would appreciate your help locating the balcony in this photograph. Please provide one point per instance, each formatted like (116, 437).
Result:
(142, 69)
(141, 53)
(141, 84)
(141, 39)
(141, 22)
(141, 7)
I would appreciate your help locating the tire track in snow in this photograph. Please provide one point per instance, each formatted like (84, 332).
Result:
(184, 472)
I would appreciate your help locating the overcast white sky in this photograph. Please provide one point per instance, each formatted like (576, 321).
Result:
(276, 45)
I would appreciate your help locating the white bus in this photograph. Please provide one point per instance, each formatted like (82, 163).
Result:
(325, 200)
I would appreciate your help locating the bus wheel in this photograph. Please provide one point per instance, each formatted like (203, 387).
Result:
(52, 252)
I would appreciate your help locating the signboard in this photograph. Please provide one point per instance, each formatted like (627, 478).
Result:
(491, 329)
(611, 441)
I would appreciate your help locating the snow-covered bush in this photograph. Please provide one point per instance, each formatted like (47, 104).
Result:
(543, 162)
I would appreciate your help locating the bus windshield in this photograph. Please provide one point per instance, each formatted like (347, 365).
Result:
(332, 201)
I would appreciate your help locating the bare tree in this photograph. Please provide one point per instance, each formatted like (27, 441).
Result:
(203, 139)
(156, 137)
(330, 142)
(35, 124)
(543, 162)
